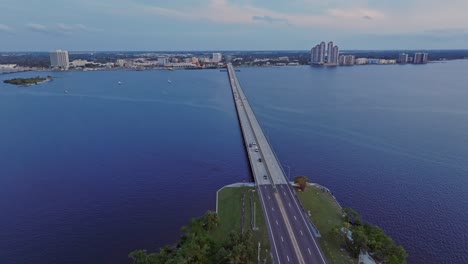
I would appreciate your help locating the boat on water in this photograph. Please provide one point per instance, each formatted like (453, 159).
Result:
(169, 81)
(66, 91)
(171, 69)
(120, 83)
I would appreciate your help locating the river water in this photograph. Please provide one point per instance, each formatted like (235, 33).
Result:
(91, 170)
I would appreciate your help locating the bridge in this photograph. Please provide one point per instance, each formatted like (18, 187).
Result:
(289, 228)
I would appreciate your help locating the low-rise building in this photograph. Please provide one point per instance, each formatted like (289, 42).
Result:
(360, 61)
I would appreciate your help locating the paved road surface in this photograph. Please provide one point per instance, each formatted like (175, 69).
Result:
(288, 225)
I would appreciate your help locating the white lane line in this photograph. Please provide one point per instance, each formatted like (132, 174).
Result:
(277, 222)
(287, 258)
(295, 217)
(282, 239)
(309, 251)
(273, 209)
(268, 197)
(284, 193)
(301, 233)
(289, 204)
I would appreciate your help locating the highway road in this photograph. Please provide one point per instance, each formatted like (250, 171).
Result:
(289, 228)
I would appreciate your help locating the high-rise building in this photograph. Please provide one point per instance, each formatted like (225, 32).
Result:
(217, 57)
(403, 58)
(420, 58)
(425, 58)
(330, 52)
(322, 53)
(335, 55)
(314, 55)
(346, 60)
(59, 59)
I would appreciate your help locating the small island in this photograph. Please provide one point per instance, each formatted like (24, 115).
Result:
(28, 81)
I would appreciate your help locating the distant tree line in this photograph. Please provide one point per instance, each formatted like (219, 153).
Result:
(196, 246)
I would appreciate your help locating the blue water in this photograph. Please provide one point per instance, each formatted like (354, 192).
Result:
(89, 175)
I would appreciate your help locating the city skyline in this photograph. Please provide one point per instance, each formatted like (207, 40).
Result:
(231, 25)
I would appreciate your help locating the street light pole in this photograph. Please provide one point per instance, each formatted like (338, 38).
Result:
(289, 171)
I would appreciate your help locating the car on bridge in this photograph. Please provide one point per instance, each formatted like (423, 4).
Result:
(259, 159)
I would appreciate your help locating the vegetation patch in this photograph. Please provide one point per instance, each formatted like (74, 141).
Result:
(229, 236)
(28, 81)
(344, 234)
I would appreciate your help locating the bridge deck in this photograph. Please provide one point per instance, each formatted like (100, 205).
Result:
(288, 225)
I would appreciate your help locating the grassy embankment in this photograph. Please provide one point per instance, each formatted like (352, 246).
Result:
(229, 214)
(325, 211)
(326, 214)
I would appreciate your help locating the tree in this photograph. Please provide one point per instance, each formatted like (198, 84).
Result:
(211, 220)
(352, 217)
(301, 182)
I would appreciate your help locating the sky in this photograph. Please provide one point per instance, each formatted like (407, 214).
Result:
(172, 25)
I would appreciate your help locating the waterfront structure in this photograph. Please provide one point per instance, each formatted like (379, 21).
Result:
(322, 54)
(217, 57)
(163, 60)
(335, 55)
(59, 59)
(420, 58)
(346, 60)
(314, 55)
(330, 52)
(403, 58)
(360, 61)
(79, 63)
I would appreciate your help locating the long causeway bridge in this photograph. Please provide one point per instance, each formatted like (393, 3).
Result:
(289, 228)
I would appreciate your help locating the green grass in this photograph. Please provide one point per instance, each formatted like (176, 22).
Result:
(325, 214)
(229, 214)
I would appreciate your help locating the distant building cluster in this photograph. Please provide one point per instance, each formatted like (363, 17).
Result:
(329, 55)
(319, 55)
(59, 60)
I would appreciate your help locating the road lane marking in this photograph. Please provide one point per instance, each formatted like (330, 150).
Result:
(277, 222)
(273, 209)
(287, 258)
(308, 228)
(295, 217)
(309, 251)
(289, 204)
(268, 197)
(284, 193)
(290, 232)
(301, 233)
(282, 239)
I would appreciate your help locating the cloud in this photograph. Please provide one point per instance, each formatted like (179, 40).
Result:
(270, 19)
(5, 28)
(59, 29)
(227, 12)
(37, 28)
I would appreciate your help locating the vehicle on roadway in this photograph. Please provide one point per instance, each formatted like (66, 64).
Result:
(259, 159)
(256, 149)
(253, 143)
(265, 177)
